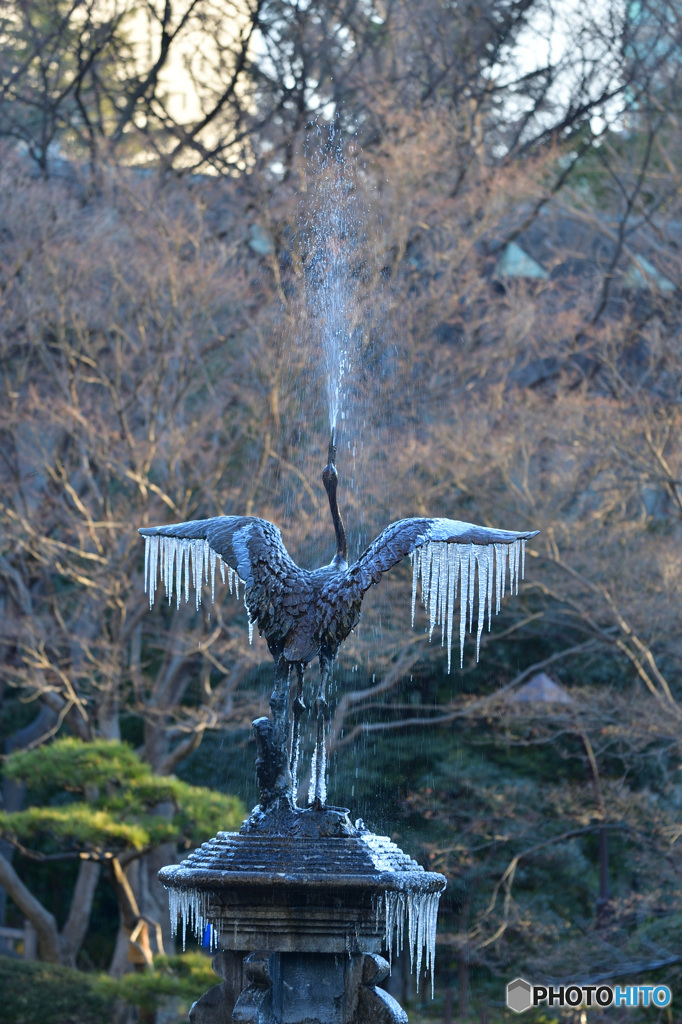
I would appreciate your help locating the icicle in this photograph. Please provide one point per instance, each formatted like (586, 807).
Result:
(443, 591)
(197, 569)
(426, 573)
(442, 565)
(472, 580)
(416, 562)
(185, 559)
(421, 910)
(313, 773)
(523, 559)
(453, 569)
(321, 791)
(412, 927)
(160, 560)
(482, 560)
(214, 559)
(491, 568)
(420, 936)
(510, 549)
(146, 572)
(401, 924)
(252, 622)
(464, 560)
(172, 545)
(294, 763)
(432, 918)
(193, 552)
(154, 566)
(190, 907)
(179, 544)
(517, 553)
(499, 555)
(432, 594)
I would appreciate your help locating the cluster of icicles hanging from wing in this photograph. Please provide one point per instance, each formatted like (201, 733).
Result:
(447, 570)
(444, 567)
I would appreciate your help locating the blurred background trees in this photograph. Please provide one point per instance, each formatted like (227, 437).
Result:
(513, 286)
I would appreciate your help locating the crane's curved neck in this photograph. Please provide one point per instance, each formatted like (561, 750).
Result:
(330, 479)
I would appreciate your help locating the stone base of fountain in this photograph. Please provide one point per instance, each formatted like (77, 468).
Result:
(298, 988)
(300, 905)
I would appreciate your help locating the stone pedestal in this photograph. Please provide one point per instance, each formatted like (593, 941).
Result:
(291, 988)
(300, 911)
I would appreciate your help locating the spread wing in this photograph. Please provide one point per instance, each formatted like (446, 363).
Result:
(450, 557)
(243, 548)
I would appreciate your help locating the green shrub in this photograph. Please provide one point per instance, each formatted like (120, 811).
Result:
(39, 993)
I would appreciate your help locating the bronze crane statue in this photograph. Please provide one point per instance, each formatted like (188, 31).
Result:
(306, 614)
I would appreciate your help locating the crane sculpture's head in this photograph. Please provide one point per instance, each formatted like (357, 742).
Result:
(330, 479)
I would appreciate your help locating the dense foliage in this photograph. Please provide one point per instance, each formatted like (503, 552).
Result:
(29, 989)
(114, 802)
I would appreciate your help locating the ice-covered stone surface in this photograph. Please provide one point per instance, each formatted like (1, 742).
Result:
(383, 889)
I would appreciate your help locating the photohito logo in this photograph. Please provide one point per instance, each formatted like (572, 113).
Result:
(521, 995)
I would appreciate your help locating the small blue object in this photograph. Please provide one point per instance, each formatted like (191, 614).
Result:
(208, 936)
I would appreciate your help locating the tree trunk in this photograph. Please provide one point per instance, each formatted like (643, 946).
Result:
(43, 922)
(54, 947)
(154, 897)
(76, 927)
(13, 792)
(135, 926)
